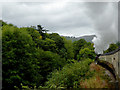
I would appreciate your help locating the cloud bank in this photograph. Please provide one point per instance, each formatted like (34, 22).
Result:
(68, 18)
(105, 19)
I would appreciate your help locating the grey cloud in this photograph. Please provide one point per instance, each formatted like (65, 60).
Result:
(52, 16)
(68, 18)
(104, 17)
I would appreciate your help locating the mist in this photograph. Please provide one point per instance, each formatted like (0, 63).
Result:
(104, 16)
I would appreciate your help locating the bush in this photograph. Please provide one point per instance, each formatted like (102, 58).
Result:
(18, 61)
(70, 75)
(48, 62)
(86, 53)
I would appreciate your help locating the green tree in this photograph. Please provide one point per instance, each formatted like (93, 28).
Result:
(86, 53)
(18, 62)
(118, 44)
(70, 75)
(42, 31)
(69, 48)
(112, 47)
(77, 45)
(47, 45)
(34, 33)
(89, 45)
(40, 28)
(48, 62)
(59, 43)
(3, 23)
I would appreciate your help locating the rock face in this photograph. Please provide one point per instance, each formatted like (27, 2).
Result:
(88, 38)
(114, 59)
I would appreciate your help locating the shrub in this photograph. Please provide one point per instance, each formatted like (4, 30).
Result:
(48, 62)
(18, 61)
(86, 53)
(70, 75)
(94, 82)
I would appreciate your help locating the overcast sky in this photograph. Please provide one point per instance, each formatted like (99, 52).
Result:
(67, 18)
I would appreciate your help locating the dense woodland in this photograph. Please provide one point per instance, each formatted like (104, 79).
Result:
(32, 58)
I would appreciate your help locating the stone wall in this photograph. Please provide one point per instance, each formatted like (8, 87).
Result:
(114, 59)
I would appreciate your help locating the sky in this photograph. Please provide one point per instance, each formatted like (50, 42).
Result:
(67, 17)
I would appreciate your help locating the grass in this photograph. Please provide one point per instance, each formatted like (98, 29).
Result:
(94, 82)
(98, 80)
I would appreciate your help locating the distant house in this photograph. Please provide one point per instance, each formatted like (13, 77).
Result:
(113, 58)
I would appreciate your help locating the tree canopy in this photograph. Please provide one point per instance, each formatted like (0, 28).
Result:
(112, 47)
(31, 57)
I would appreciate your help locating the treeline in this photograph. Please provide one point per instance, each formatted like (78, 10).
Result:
(112, 47)
(32, 58)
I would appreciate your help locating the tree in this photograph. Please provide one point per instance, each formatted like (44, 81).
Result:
(47, 45)
(33, 32)
(69, 48)
(70, 75)
(77, 45)
(41, 30)
(86, 53)
(30, 56)
(89, 45)
(118, 44)
(48, 62)
(58, 41)
(112, 47)
(18, 62)
(3, 23)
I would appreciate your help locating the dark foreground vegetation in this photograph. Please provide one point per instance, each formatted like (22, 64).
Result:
(32, 58)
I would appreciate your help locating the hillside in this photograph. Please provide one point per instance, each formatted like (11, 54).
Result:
(88, 38)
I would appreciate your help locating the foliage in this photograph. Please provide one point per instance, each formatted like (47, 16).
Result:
(47, 45)
(42, 31)
(89, 45)
(86, 53)
(118, 44)
(18, 58)
(70, 75)
(94, 82)
(34, 34)
(77, 45)
(69, 48)
(100, 79)
(3, 23)
(48, 62)
(30, 56)
(83, 49)
(58, 41)
(112, 47)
